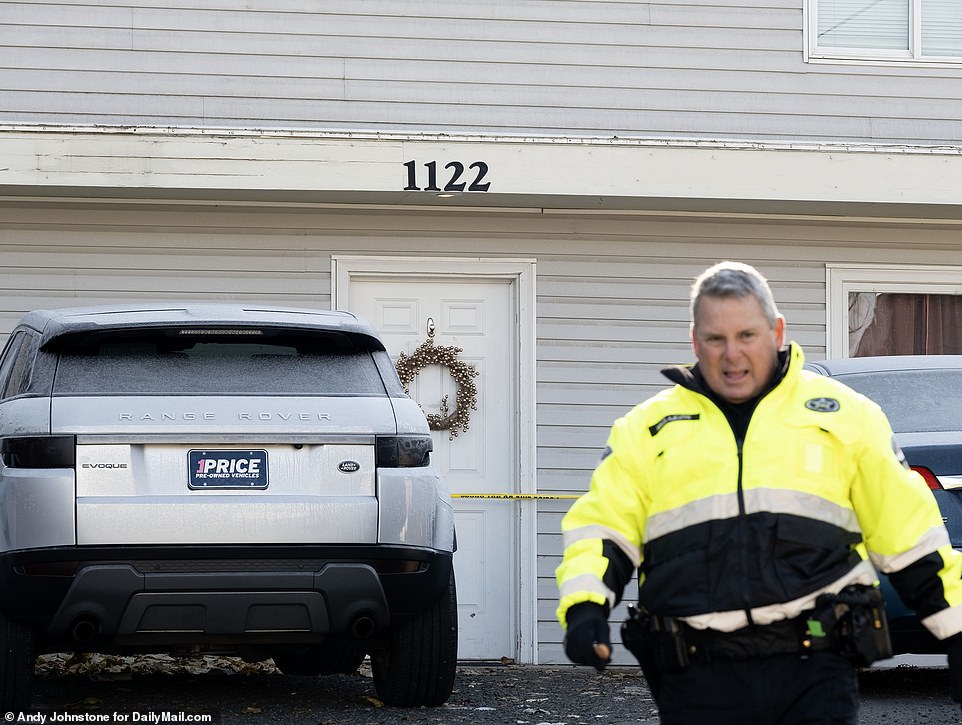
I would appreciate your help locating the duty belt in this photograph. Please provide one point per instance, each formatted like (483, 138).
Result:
(850, 623)
(788, 636)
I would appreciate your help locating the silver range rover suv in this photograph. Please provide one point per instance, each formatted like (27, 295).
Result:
(204, 478)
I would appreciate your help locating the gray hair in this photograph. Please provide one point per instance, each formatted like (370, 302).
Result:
(733, 279)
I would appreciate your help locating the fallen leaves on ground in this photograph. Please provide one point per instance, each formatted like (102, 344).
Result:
(100, 666)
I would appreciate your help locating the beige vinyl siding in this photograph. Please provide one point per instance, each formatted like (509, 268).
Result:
(611, 306)
(709, 69)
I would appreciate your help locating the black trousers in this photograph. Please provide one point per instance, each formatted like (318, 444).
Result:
(821, 689)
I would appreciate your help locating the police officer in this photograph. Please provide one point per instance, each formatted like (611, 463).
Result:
(753, 498)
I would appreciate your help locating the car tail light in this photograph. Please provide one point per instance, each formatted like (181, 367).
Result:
(930, 478)
(398, 566)
(39, 451)
(403, 451)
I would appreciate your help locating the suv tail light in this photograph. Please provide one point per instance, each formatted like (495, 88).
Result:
(39, 451)
(403, 451)
(930, 478)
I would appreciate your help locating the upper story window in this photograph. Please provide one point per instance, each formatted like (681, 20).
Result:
(894, 30)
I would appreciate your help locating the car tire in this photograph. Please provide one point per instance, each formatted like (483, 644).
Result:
(334, 657)
(419, 664)
(17, 661)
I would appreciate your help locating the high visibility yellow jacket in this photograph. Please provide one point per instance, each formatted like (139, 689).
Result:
(727, 532)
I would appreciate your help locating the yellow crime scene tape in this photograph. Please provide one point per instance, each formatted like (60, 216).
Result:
(521, 496)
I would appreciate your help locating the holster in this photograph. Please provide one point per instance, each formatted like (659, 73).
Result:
(658, 643)
(660, 639)
(852, 623)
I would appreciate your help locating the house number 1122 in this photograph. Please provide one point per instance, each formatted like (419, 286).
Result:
(454, 172)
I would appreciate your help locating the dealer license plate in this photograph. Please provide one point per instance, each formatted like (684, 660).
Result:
(207, 468)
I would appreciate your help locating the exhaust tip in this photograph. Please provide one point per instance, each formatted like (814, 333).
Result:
(85, 629)
(363, 626)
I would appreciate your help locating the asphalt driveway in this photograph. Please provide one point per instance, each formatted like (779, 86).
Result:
(231, 692)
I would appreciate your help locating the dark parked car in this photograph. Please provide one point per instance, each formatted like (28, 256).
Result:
(922, 397)
(232, 478)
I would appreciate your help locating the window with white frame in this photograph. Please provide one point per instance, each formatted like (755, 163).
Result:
(922, 30)
(889, 310)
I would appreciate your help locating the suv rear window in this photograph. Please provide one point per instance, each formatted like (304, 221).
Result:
(201, 362)
(913, 400)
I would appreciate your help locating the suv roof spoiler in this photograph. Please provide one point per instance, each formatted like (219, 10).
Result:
(70, 321)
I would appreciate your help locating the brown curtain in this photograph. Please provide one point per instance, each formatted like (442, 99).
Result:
(912, 324)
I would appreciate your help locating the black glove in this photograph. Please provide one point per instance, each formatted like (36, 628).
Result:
(588, 639)
(953, 647)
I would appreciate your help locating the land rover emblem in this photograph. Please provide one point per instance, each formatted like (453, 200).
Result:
(348, 466)
(822, 405)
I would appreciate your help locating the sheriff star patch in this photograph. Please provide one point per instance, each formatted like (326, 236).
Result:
(822, 405)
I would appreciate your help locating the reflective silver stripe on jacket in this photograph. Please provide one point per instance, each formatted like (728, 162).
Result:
(710, 508)
(929, 543)
(757, 500)
(586, 583)
(729, 621)
(597, 531)
(945, 623)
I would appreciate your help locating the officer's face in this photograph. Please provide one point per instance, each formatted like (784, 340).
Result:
(735, 345)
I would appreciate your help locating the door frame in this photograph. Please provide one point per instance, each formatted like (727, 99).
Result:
(520, 272)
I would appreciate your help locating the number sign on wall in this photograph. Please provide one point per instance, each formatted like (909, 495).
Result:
(453, 172)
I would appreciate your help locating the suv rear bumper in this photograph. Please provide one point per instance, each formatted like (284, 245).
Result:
(219, 595)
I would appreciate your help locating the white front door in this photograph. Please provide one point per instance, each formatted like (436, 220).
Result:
(480, 315)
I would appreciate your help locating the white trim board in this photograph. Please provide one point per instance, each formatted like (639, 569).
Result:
(531, 172)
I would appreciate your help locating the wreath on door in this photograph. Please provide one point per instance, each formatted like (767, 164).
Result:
(463, 374)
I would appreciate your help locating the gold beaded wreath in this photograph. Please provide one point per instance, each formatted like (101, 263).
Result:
(466, 396)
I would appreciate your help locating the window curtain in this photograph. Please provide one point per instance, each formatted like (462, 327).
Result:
(864, 24)
(904, 324)
(942, 27)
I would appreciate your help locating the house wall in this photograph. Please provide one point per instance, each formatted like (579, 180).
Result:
(606, 106)
(612, 291)
(707, 69)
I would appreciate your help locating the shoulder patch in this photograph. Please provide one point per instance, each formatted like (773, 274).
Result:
(823, 405)
(653, 429)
